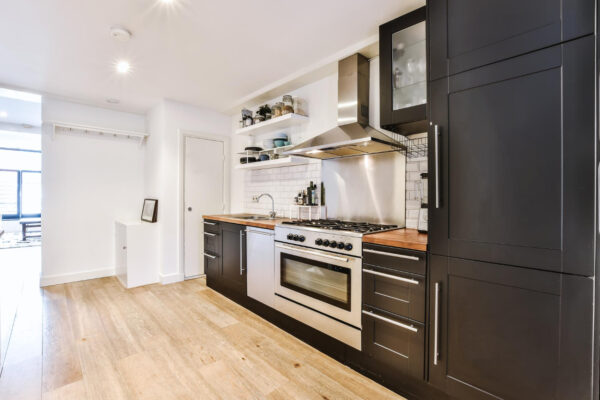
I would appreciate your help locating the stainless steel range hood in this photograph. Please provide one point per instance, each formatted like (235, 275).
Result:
(353, 136)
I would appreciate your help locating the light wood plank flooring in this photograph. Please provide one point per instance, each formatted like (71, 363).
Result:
(179, 341)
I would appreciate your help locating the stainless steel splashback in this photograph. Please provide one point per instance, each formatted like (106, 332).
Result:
(369, 188)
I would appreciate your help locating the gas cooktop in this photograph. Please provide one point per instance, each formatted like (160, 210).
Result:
(337, 225)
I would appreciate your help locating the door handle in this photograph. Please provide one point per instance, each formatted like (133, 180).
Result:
(397, 278)
(210, 234)
(385, 253)
(189, 208)
(436, 137)
(390, 321)
(436, 322)
(210, 256)
(241, 252)
(315, 253)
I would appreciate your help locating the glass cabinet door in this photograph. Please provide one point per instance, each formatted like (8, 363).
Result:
(403, 73)
(409, 69)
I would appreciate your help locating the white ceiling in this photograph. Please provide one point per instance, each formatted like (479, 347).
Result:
(207, 53)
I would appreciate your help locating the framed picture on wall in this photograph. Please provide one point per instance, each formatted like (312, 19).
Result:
(150, 210)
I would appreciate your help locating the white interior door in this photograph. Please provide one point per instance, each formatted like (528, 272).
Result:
(203, 194)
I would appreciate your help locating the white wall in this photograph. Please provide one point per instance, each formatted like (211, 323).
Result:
(163, 173)
(88, 181)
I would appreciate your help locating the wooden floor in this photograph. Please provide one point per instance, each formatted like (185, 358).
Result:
(179, 341)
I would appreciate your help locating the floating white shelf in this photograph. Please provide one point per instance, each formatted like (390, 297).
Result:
(285, 121)
(280, 162)
(99, 130)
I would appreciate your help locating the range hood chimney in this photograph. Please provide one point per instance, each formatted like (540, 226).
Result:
(353, 136)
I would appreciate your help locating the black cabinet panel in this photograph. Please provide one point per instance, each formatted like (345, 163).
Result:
(467, 34)
(508, 332)
(234, 257)
(394, 343)
(516, 162)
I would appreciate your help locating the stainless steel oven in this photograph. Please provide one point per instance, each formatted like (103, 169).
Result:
(324, 281)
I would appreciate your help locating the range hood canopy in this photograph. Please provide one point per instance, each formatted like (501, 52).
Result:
(353, 136)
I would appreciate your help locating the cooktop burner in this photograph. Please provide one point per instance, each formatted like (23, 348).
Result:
(337, 225)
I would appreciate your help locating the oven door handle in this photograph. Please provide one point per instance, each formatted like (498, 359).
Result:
(315, 253)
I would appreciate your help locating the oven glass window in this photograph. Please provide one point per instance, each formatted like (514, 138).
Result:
(325, 282)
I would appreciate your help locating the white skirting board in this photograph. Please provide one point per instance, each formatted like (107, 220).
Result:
(76, 276)
(171, 278)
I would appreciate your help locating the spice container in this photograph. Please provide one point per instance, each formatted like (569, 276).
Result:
(258, 118)
(248, 121)
(276, 109)
(288, 105)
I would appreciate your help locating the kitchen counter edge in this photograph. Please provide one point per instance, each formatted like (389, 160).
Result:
(264, 223)
(401, 238)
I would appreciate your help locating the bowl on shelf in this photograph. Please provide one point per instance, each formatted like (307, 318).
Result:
(281, 136)
(280, 142)
(264, 157)
(268, 143)
(253, 148)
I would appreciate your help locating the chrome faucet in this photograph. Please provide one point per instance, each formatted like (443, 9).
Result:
(272, 213)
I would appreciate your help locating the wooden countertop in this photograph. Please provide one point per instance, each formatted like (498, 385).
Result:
(260, 223)
(403, 238)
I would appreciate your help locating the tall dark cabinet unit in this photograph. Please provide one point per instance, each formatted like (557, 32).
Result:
(513, 202)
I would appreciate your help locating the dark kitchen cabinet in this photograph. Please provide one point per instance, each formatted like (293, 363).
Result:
(512, 161)
(403, 73)
(225, 257)
(506, 332)
(233, 273)
(467, 34)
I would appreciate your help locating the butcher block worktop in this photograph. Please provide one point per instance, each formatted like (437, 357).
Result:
(234, 219)
(403, 238)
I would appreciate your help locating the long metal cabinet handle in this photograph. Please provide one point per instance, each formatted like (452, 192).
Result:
(385, 253)
(241, 252)
(397, 278)
(391, 321)
(436, 321)
(209, 223)
(316, 253)
(436, 135)
(210, 256)
(210, 234)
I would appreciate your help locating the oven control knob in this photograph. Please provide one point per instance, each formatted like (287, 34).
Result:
(348, 247)
(333, 244)
(326, 242)
(290, 236)
(301, 238)
(296, 237)
(341, 245)
(319, 242)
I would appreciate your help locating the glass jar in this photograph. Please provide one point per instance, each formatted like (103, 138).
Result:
(258, 118)
(277, 109)
(288, 105)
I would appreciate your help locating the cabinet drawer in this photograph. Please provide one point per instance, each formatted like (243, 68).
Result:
(212, 267)
(398, 293)
(211, 226)
(212, 243)
(394, 342)
(414, 262)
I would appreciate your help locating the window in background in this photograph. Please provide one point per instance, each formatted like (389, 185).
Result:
(31, 193)
(9, 194)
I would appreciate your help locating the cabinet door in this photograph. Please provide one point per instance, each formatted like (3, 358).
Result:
(512, 174)
(403, 73)
(234, 257)
(465, 34)
(508, 332)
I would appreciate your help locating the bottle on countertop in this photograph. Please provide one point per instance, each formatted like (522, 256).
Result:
(322, 194)
(300, 199)
(304, 197)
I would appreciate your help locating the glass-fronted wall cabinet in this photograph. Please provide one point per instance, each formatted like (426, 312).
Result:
(403, 73)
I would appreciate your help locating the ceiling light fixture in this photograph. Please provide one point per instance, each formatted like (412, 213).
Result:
(166, 1)
(3, 114)
(119, 33)
(123, 67)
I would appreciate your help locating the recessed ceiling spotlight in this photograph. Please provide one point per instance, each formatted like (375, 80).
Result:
(113, 101)
(3, 114)
(123, 67)
(119, 33)
(166, 1)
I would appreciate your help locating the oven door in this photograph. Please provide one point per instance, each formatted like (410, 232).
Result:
(326, 282)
